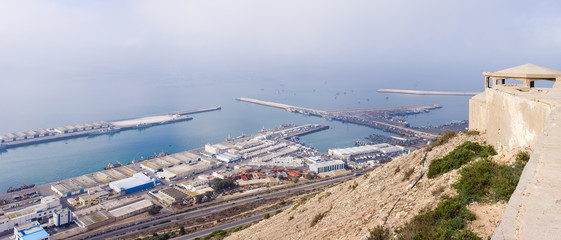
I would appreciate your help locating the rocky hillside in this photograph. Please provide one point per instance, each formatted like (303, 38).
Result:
(351, 209)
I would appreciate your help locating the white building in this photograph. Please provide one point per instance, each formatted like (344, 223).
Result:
(194, 184)
(347, 153)
(62, 216)
(40, 212)
(184, 170)
(228, 157)
(216, 148)
(327, 166)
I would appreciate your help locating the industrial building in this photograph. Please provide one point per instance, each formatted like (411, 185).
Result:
(62, 216)
(93, 198)
(228, 157)
(137, 182)
(173, 195)
(131, 209)
(347, 153)
(29, 231)
(78, 185)
(40, 212)
(216, 148)
(194, 184)
(95, 219)
(183, 170)
(327, 166)
(111, 211)
(352, 152)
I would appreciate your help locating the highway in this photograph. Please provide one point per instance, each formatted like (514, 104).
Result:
(225, 226)
(165, 221)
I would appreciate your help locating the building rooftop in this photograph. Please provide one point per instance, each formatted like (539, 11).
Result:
(124, 210)
(136, 180)
(327, 163)
(32, 231)
(526, 71)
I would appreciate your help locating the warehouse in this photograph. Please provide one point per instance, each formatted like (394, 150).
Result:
(348, 153)
(137, 182)
(216, 148)
(183, 170)
(327, 166)
(173, 195)
(228, 157)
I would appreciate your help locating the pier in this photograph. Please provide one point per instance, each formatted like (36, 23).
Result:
(11, 140)
(380, 118)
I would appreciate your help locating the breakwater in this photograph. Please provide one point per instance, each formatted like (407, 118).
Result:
(371, 117)
(16, 139)
(420, 92)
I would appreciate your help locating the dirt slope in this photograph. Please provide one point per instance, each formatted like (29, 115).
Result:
(350, 209)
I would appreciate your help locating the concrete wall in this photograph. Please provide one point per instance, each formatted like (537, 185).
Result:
(534, 209)
(510, 118)
(518, 117)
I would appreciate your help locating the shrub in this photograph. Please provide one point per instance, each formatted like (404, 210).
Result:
(407, 174)
(442, 139)
(266, 216)
(379, 233)
(471, 132)
(318, 217)
(447, 221)
(459, 156)
(488, 180)
(155, 210)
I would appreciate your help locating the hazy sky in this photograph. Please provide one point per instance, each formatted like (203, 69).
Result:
(56, 46)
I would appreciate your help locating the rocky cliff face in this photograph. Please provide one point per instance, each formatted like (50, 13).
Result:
(351, 209)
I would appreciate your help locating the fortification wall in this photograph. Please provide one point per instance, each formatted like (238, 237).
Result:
(514, 117)
(510, 118)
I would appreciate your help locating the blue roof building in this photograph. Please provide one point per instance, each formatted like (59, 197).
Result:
(137, 182)
(30, 231)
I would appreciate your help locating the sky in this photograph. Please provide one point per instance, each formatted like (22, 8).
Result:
(50, 49)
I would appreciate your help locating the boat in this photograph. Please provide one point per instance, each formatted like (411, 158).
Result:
(3, 147)
(104, 131)
(23, 186)
(236, 138)
(142, 125)
(112, 165)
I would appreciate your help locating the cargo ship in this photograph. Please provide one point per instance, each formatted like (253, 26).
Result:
(23, 186)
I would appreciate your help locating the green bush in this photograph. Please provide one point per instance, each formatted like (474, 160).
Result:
(481, 180)
(447, 221)
(442, 139)
(223, 184)
(488, 180)
(379, 233)
(459, 156)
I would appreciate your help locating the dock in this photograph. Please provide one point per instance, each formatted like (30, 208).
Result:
(17, 139)
(371, 117)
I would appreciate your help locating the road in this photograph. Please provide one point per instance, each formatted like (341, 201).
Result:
(182, 217)
(229, 225)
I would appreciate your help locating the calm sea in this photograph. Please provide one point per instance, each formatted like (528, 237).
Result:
(77, 102)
